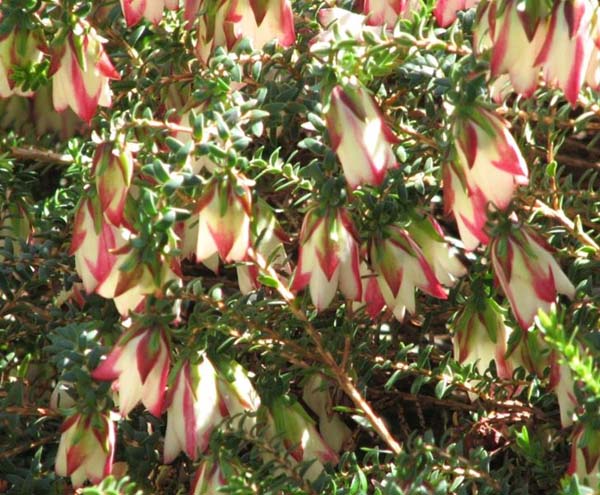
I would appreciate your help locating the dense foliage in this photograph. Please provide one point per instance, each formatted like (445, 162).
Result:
(274, 246)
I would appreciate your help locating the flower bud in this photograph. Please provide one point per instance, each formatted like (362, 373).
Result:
(86, 448)
(328, 257)
(139, 365)
(80, 73)
(359, 136)
(528, 274)
(19, 48)
(445, 10)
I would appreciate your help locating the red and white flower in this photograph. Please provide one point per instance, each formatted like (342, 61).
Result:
(222, 215)
(481, 336)
(380, 12)
(93, 244)
(194, 409)
(139, 365)
(517, 39)
(445, 10)
(528, 274)
(585, 454)
(328, 257)
(208, 479)
(487, 155)
(401, 267)
(568, 45)
(360, 136)
(135, 10)
(237, 394)
(429, 235)
(371, 297)
(113, 170)
(18, 48)
(467, 204)
(86, 448)
(80, 72)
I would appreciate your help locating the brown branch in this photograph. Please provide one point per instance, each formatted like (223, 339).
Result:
(41, 155)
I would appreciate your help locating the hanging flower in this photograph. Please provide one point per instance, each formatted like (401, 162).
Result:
(86, 448)
(328, 257)
(371, 297)
(568, 45)
(401, 267)
(223, 218)
(113, 170)
(237, 394)
(18, 49)
(528, 274)
(80, 73)
(380, 12)
(487, 156)
(585, 454)
(194, 409)
(467, 204)
(359, 136)
(135, 10)
(208, 479)
(139, 365)
(445, 10)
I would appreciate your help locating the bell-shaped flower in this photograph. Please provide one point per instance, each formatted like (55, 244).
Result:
(488, 156)
(481, 336)
(139, 366)
(429, 235)
(341, 24)
(86, 448)
(80, 72)
(528, 274)
(94, 242)
(47, 120)
(19, 48)
(328, 257)
(237, 394)
(467, 204)
(223, 218)
(267, 239)
(300, 436)
(194, 409)
(445, 10)
(360, 136)
(208, 479)
(380, 12)
(371, 298)
(317, 396)
(585, 455)
(568, 46)
(401, 267)
(562, 384)
(135, 10)
(517, 39)
(113, 170)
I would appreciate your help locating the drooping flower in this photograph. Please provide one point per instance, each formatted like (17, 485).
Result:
(237, 394)
(380, 12)
(445, 10)
(113, 170)
(208, 479)
(93, 244)
(429, 235)
(267, 239)
(222, 215)
(139, 365)
(467, 204)
(517, 39)
(568, 45)
(481, 336)
(487, 155)
(300, 436)
(86, 448)
(194, 409)
(371, 297)
(18, 49)
(80, 72)
(401, 267)
(135, 10)
(528, 274)
(328, 257)
(360, 136)
(585, 454)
